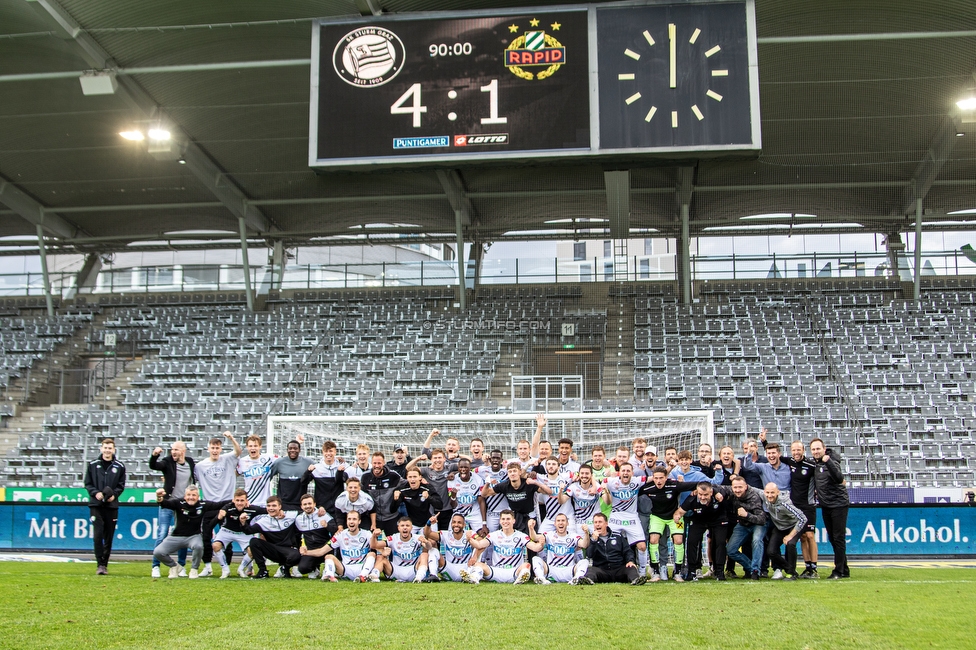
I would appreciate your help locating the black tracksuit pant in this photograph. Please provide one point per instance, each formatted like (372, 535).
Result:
(262, 551)
(104, 519)
(693, 550)
(835, 520)
(776, 536)
(616, 574)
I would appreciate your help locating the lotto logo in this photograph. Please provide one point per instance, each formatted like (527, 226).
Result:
(471, 140)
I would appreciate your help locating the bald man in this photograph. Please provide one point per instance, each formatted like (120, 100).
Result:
(177, 469)
(787, 523)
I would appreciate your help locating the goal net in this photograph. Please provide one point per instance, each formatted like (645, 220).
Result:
(680, 429)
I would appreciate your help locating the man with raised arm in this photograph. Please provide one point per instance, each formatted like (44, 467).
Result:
(556, 480)
(610, 556)
(177, 469)
(834, 501)
(435, 476)
(802, 471)
(354, 558)
(216, 475)
(401, 557)
(561, 559)
(508, 547)
(665, 495)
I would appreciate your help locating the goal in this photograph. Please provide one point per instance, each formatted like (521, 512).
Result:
(681, 429)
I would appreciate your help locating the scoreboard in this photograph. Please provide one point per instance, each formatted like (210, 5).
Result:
(579, 81)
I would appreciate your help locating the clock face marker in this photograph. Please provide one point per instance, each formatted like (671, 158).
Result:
(694, 36)
(632, 54)
(650, 114)
(714, 50)
(633, 98)
(714, 95)
(720, 73)
(698, 113)
(625, 76)
(674, 119)
(648, 37)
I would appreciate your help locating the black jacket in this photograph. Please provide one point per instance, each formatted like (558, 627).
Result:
(610, 552)
(167, 466)
(107, 478)
(828, 481)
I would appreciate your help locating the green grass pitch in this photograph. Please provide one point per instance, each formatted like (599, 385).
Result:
(67, 606)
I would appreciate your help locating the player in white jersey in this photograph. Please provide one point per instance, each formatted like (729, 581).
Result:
(492, 474)
(402, 557)
(455, 553)
(583, 495)
(556, 481)
(464, 490)
(621, 493)
(353, 500)
(216, 475)
(354, 557)
(507, 554)
(563, 561)
(565, 455)
(255, 467)
(362, 465)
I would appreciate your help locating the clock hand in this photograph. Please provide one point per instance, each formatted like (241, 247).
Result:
(672, 43)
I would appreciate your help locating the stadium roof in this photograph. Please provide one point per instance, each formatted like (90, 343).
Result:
(858, 120)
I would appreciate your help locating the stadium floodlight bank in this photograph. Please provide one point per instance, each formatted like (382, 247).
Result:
(680, 429)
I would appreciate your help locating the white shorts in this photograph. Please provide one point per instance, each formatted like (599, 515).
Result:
(404, 573)
(494, 521)
(630, 526)
(352, 571)
(228, 537)
(474, 521)
(503, 574)
(561, 573)
(547, 526)
(453, 571)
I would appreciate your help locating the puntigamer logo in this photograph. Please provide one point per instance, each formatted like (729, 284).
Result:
(368, 56)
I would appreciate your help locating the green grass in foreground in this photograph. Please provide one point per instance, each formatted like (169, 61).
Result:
(67, 606)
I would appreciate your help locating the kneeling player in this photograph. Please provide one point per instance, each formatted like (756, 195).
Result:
(459, 556)
(507, 553)
(562, 560)
(402, 557)
(353, 547)
(231, 531)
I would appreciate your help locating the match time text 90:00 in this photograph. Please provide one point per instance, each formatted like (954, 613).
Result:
(443, 49)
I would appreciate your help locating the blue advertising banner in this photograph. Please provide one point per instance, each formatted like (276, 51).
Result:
(934, 530)
(67, 527)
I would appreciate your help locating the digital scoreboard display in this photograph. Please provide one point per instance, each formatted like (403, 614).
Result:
(535, 83)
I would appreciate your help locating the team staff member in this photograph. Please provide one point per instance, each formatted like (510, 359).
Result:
(188, 513)
(834, 503)
(291, 472)
(786, 524)
(802, 495)
(177, 469)
(105, 482)
(706, 510)
(610, 555)
(381, 483)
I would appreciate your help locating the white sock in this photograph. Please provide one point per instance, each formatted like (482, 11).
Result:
(221, 558)
(368, 565)
(642, 561)
(328, 569)
(247, 561)
(374, 572)
(421, 572)
(580, 568)
(433, 558)
(539, 568)
(476, 572)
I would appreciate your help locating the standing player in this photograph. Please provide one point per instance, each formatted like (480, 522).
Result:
(664, 495)
(217, 479)
(353, 500)
(520, 492)
(292, 472)
(329, 477)
(508, 548)
(436, 477)
(556, 481)
(584, 495)
(563, 562)
(353, 547)
(380, 484)
(402, 557)
(232, 530)
(255, 467)
(522, 455)
(362, 465)
(477, 448)
(105, 482)
(456, 553)
(465, 492)
(621, 493)
(566, 463)
(418, 500)
(707, 510)
(492, 474)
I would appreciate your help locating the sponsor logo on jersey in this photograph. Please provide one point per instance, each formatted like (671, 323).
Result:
(368, 56)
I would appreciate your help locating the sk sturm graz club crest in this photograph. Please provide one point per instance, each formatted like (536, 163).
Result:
(534, 48)
(368, 56)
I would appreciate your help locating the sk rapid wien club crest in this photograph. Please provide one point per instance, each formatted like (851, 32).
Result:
(534, 48)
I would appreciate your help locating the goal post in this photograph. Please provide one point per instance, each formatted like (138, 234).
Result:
(680, 429)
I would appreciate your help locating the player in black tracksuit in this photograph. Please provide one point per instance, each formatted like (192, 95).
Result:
(665, 495)
(802, 495)
(278, 544)
(315, 530)
(707, 509)
(419, 500)
(105, 482)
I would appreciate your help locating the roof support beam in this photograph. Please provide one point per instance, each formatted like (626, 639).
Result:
(31, 210)
(928, 169)
(617, 185)
(198, 162)
(456, 195)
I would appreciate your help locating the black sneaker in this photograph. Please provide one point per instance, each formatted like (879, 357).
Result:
(834, 576)
(286, 572)
(754, 575)
(810, 574)
(431, 578)
(730, 574)
(261, 575)
(638, 581)
(789, 576)
(583, 580)
(721, 578)
(845, 574)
